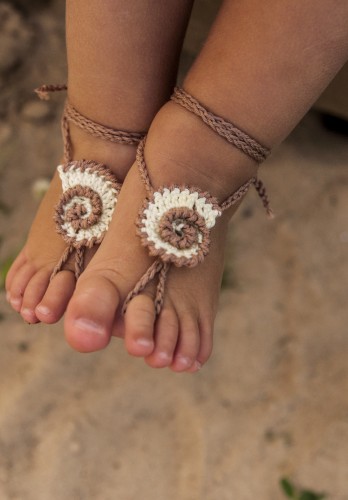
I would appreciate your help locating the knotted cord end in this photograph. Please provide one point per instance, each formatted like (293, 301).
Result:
(43, 91)
(270, 213)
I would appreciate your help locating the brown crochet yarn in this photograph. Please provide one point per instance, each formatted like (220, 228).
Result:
(225, 129)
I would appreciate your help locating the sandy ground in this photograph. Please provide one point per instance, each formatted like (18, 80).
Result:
(271, 402)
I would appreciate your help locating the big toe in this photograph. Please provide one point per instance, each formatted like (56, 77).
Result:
(91, 312)
(19, 283)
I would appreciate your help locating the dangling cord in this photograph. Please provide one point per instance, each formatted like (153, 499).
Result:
(44, 90)
(238, 195)
(261, 191)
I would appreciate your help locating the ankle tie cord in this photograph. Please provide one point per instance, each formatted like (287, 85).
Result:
(90, 189)
(175, 221)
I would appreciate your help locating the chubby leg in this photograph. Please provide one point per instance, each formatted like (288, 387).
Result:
(122, 60)
(263, 66)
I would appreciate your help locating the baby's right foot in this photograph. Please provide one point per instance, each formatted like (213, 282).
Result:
(29, 289)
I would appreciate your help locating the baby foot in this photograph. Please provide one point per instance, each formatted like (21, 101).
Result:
(28, 285)
(180, 149)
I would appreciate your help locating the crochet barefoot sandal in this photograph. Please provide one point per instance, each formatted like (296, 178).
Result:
(175, 221)
(90, 189)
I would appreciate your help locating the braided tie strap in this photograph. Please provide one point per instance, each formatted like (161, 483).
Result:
(90, 190)
(225, 129)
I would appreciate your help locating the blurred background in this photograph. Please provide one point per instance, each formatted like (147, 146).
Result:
(272, 401)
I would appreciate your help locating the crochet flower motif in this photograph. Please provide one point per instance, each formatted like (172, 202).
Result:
(175, 224)
(86, 206)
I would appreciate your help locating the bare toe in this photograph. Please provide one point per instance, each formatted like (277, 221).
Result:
(139, 324)
(188, 343)
(90, 315)
(55, 298)
(16, 265)
(19, 284)
(166, 336)
(34, 292)
(206, 328)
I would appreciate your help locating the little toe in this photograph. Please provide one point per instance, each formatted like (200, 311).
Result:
(16, 265)
(139, 326)
(19, 284)
(188, 344)
(206, 329)
(90, 314)
(166, 337)
(34, 292)
(54, 301)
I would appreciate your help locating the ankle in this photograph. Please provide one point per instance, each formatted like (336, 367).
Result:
(183, 150)
(117, 157)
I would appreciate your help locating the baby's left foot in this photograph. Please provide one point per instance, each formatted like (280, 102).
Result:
(42, 278)
(180, 149)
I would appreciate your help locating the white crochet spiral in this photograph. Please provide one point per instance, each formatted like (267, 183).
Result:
(159, 207)
(104, 193)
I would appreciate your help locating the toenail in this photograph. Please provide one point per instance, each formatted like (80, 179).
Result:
(183, 361)
(164, 356)
(144, 342)
(27, 312)
(16, 302)
(89, 326)
(44, 310)
(29, 316)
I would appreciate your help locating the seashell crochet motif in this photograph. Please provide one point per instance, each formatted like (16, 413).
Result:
(175, 224)
(85, 208)
(88, 201)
